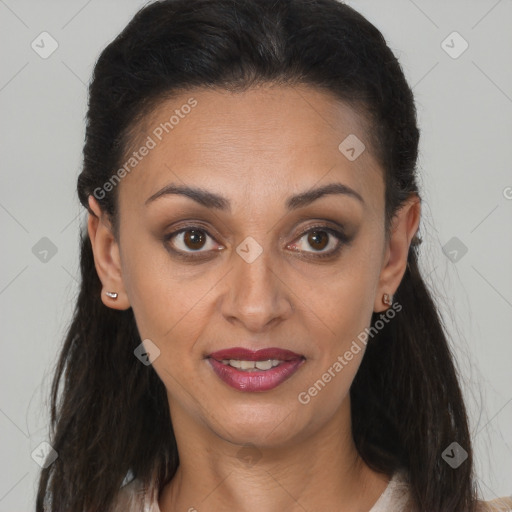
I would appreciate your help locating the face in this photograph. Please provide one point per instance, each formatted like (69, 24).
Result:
(251, 257)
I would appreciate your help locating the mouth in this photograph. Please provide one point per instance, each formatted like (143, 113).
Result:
(253, 371)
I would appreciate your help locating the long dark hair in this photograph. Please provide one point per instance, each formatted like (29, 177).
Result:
(112, 414)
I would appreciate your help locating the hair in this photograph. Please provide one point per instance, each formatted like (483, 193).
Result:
(112, 415)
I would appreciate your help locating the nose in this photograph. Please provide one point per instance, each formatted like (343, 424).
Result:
(257, 296)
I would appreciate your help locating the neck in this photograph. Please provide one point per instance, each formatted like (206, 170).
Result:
(321, 471)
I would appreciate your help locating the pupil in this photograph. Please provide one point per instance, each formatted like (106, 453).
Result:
(194, 239)
(315, 238)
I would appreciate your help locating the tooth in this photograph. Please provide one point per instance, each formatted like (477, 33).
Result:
(264, 365)
(252, 365)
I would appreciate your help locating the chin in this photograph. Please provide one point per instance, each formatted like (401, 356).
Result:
(264, 427)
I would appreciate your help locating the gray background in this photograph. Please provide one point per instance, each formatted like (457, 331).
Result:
(465, 114)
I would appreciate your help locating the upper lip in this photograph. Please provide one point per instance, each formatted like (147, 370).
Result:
(264, 354)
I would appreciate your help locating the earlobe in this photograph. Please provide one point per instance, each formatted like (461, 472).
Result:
(106, 258)
(404, 227)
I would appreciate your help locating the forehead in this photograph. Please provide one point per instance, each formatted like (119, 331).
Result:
(267, 140)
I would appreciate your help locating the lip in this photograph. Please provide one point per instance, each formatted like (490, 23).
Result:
(255, 355)
(255, 381)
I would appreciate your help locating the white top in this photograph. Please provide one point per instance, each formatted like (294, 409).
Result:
(133, 497)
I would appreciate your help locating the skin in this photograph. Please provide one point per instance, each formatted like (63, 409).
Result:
(256, 148)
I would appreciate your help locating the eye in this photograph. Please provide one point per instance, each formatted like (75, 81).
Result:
(324, 240)
(187, 241)
(190, 240)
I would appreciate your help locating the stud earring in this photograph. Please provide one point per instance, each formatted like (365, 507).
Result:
(112, 295)
(387, 299)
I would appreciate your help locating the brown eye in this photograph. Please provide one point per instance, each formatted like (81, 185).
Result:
(194, 239)
(190, 240)
(318, 239)
(320, 242)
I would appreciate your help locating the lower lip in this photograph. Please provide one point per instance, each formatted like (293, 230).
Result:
(263, 380)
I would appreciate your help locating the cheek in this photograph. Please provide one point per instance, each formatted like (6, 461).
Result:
(344, 302)
(338, 351)
(149, 283)
(168, 304)
(344, 308)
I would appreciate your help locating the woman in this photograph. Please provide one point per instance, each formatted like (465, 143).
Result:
(252, 330)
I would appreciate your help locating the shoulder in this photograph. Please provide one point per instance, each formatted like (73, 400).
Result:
(134, 496)
(397, 498)
(130, 497)
(498, 505)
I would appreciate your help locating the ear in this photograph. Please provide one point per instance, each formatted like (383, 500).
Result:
(106, 257)
(403, 228)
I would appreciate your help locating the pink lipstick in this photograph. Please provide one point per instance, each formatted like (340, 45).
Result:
(261, 370)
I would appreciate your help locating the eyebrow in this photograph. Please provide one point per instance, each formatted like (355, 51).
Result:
(212, 200)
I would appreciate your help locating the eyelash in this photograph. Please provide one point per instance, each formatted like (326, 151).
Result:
(342, 238)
